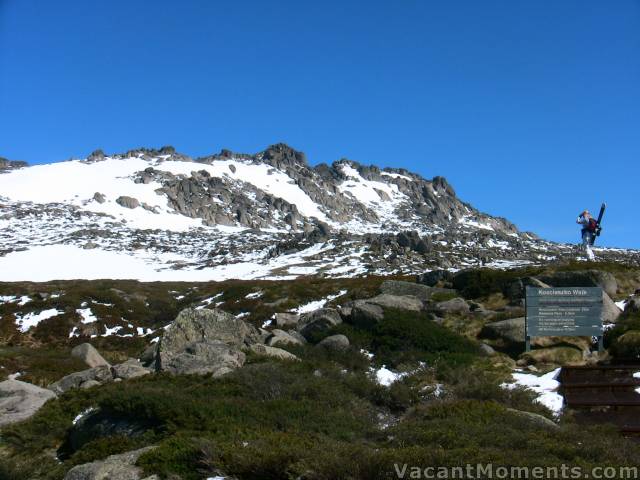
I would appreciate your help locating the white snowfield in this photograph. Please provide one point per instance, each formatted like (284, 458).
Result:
(29, 320)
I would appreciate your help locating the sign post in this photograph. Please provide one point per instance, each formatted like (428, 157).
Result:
(563, 312)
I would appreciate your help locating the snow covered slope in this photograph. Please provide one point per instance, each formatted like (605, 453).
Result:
(160, 215)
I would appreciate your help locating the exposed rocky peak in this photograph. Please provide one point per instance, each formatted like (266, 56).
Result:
(6, 165)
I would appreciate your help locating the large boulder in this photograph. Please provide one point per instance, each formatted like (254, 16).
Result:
(318, 322)
(583, 278)
(89, 355)
(200, 326)
(553, 356)
(286, 319)
(400, 302)
(399, 288)
(582, 343)
(610, 311)
(511, 331)
(280, 337)
(627, 345)
(434, 277)
(205, 357)
(20, 400)
(120, 467)
(84, 379)
(366, 315)
(454, 306)
(338, 343)
(273, 352)
(128, 202)
(130, 369)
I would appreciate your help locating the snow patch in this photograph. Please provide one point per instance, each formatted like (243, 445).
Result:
(317, 304)
(545, 386)
(87, 315)
(29, 320)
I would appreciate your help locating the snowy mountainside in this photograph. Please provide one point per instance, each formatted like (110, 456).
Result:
(161, 215)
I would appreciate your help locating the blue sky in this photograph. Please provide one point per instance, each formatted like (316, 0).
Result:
(531, 109)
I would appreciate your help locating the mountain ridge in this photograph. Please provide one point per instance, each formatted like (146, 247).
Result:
(231, 215)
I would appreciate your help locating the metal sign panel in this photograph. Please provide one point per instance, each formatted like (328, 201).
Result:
(564, 311)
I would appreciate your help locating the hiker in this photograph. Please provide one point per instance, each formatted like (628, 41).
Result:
(589, 227)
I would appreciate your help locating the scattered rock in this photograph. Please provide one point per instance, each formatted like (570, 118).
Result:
(273, 352)
(338, 343)
(511, 331)
(422, 292)
(400, 302)
(554, 355)
(318, 322)
(536, 419)
(434, 277)
(20, 400)
(610, 311)
(99, 197)
(287, 319)
(203, 357)
(127, 202)
(366, 315)
(454, 306)
(583, 278)
(120, 467)
(487, 350)
(132, 368)
(89, 355)
(280, 337)
(99, 375)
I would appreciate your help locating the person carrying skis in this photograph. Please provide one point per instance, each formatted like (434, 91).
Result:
(589, 227)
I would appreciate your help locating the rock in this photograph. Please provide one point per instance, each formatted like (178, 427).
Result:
(90, 246)
(101, 374)
(434, 277)
(403, 302)
(201, 326)
(204, 357)
(89, 355)
(582, 343)
(632, 305)
(280, 337)
(487, 350)
(454, 306)
(148, 357)
(99, 197)
(610, 311)
(120, 467)
(366, 315)
(536, 419)
(287, 319)
(127, 202)
(511, 330)
(90, 384)
(423, 292)
(20, 400)
(516, 289)
(627, 345)
(273, 352)
(314, 323)
(555, 355)
(337, 343)
(583, 278)
(129, 369)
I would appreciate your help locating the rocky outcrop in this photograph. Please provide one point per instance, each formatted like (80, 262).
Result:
(203, 341)
(511, 331)
(399, 302)
(318, 322)
(583, 278)
(338, 343)
(120, 467)
(128, 202)
(422, 292)
(280, 338)
(132, 368)
(454, 306)
(6, 165)
(84, 379)
(553, 356)
(366, 315)
(89, 355)
(272, 352)
(20, 400)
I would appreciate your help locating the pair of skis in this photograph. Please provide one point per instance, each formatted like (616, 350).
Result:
(603, 207)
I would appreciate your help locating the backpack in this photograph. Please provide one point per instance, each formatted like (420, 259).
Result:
(592, 226)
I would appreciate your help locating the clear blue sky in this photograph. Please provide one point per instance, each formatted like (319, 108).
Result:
(531, 109)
